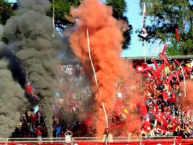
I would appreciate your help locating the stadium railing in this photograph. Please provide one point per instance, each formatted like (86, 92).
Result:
(84, 140)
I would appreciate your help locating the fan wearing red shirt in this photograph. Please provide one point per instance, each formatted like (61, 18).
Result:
(29, 89)
(33, 118)
(39, 134)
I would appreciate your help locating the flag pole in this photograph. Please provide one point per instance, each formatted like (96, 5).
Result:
(53, 18)
(144, 31)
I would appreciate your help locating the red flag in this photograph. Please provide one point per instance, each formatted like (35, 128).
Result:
(177, 76)
(156, 65)
(177, 35)
(165, 59)
(164, 50)
(177, 62)
(147, 68)
(187, 69)
(170, 78)
(141, 63)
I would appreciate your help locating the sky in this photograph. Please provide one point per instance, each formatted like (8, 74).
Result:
(135, 19)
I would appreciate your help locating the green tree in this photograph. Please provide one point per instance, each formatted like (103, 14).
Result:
(5, 11)
(62, 9)
(166, 16)
(119, 10)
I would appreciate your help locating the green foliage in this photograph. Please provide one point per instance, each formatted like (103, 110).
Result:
(166, 16)
(5, 11)
(119, 7)
(174, 48)
(119, 10)
(62, 9)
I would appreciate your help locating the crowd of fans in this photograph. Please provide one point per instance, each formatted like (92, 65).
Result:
(160, 115)
(31, 125)
(74, 92)
(160, 110)
(165, 114)
(70, 98)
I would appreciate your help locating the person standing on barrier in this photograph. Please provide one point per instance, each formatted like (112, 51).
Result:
(104, 137)
(68, 136)
(39, 134)
(110, 137)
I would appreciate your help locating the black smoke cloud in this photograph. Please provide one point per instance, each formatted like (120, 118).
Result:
(14, 65)
(9, 112)
(12, 93)
(30, 36)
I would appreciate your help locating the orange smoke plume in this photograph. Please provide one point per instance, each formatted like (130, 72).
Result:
(188, 100)
(106, 47)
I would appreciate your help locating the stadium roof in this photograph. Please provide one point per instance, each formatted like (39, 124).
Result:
(158, 58)
(148, 59)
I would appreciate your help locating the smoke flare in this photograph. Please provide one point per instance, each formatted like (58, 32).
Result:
(11, 78)
(9, 112)
(30, 33)
(106, 46)
(187, 101)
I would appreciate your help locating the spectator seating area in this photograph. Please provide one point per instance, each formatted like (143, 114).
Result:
(156, 102)
(73, 92)
(30, 125)
(158, 107)
(166, 115)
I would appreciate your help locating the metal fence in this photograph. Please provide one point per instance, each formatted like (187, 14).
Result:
(83, 139)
